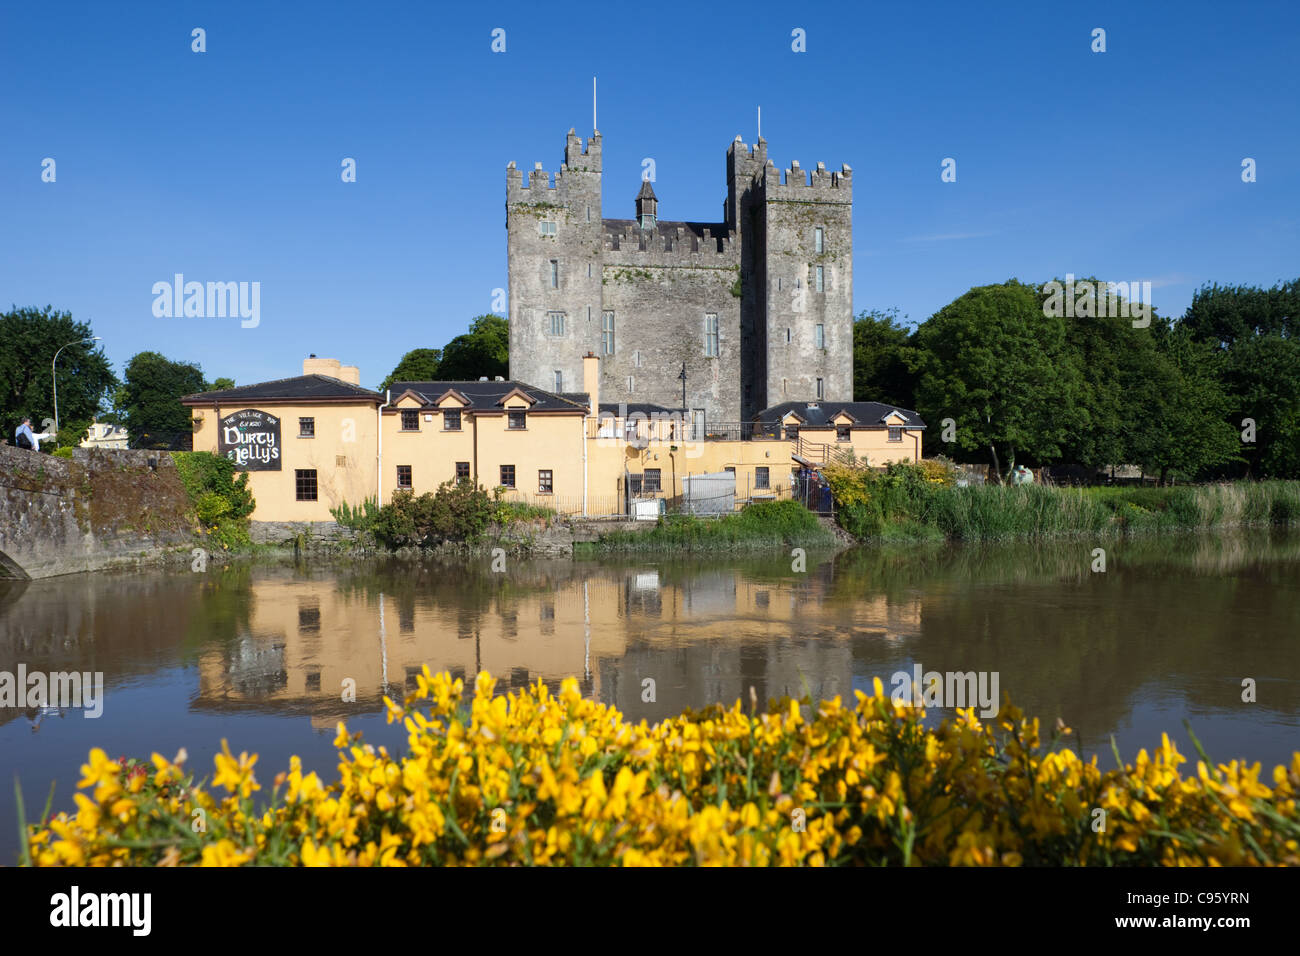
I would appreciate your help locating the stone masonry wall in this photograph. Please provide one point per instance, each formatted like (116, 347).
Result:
(101, 508)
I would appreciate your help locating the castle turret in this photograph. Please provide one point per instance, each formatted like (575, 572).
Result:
(647, 206)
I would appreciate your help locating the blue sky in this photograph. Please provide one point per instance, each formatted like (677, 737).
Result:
(224, 166)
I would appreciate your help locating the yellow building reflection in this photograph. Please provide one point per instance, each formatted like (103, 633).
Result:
(692, 635)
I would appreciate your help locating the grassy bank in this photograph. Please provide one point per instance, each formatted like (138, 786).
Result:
(906, 504)
(765, 525)
(539, 780)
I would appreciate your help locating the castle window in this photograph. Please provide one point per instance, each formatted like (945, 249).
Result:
(451, 420)
(778, 285)
(821, 391)
(588, 270)
(631, 384)
(820, 337)
(588, 214)
(821, 278)
(404, 476)
(787, 336)
(559, 380)
(636, 359)
(545, 481)
(545, 228)
(557, 323)
(819, 241)
(607, 333)
(555, 273)
(410, 420)
(711, 334)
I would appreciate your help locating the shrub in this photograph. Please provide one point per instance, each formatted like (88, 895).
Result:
(64, 452)
(578, 784)
(359, 518)
(457, 511)
(203, 472)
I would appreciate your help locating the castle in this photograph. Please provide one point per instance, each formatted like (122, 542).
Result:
(755, 309)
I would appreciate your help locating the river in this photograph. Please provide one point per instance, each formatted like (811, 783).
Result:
(262, 654)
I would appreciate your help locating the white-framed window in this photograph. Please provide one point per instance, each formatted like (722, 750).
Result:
(555, 273)
(546, 228)
(711, 334)
(557, 323)
(820, 336)
(821, 278)
(819, 240)
(821, 390)
(607, 333)
(559, 380)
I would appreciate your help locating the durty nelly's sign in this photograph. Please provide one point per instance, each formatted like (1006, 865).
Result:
(251, 439)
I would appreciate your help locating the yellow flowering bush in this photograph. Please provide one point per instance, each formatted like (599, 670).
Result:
(536, 779)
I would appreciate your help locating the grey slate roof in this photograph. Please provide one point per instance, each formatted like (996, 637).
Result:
(300, 388)
(819, 414)
(484, 396)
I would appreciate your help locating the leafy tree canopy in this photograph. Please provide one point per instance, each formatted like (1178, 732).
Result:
(150, 400)
(880, 347)
(29, 337)
(417, 365)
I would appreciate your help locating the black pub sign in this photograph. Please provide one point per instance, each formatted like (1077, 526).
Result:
(251, 439)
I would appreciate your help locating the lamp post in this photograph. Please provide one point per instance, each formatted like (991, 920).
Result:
(55, 378)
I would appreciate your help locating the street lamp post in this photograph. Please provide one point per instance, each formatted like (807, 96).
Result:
(55, 378)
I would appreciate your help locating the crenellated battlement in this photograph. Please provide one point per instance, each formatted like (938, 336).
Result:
(582, 156)
(517, 190)
(685, 243)
(817, 179)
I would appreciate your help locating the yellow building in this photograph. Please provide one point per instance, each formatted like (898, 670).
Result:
(308, 443)
(320, 440)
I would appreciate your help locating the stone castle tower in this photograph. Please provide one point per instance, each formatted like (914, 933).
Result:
(758, 307)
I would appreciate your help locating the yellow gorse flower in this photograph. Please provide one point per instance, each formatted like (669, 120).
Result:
(532, 778)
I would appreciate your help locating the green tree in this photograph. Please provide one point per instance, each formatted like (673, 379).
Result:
(880, 347)
(1002, 370)
(1256, 332)
(417, 365)
(483, 350)
(1176, 411)
(29, 338)
(150, 401)
(219, 384)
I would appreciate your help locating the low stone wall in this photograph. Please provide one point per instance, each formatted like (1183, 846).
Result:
(101, 508)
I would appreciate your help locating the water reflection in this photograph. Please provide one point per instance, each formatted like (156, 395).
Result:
(1168, 631)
